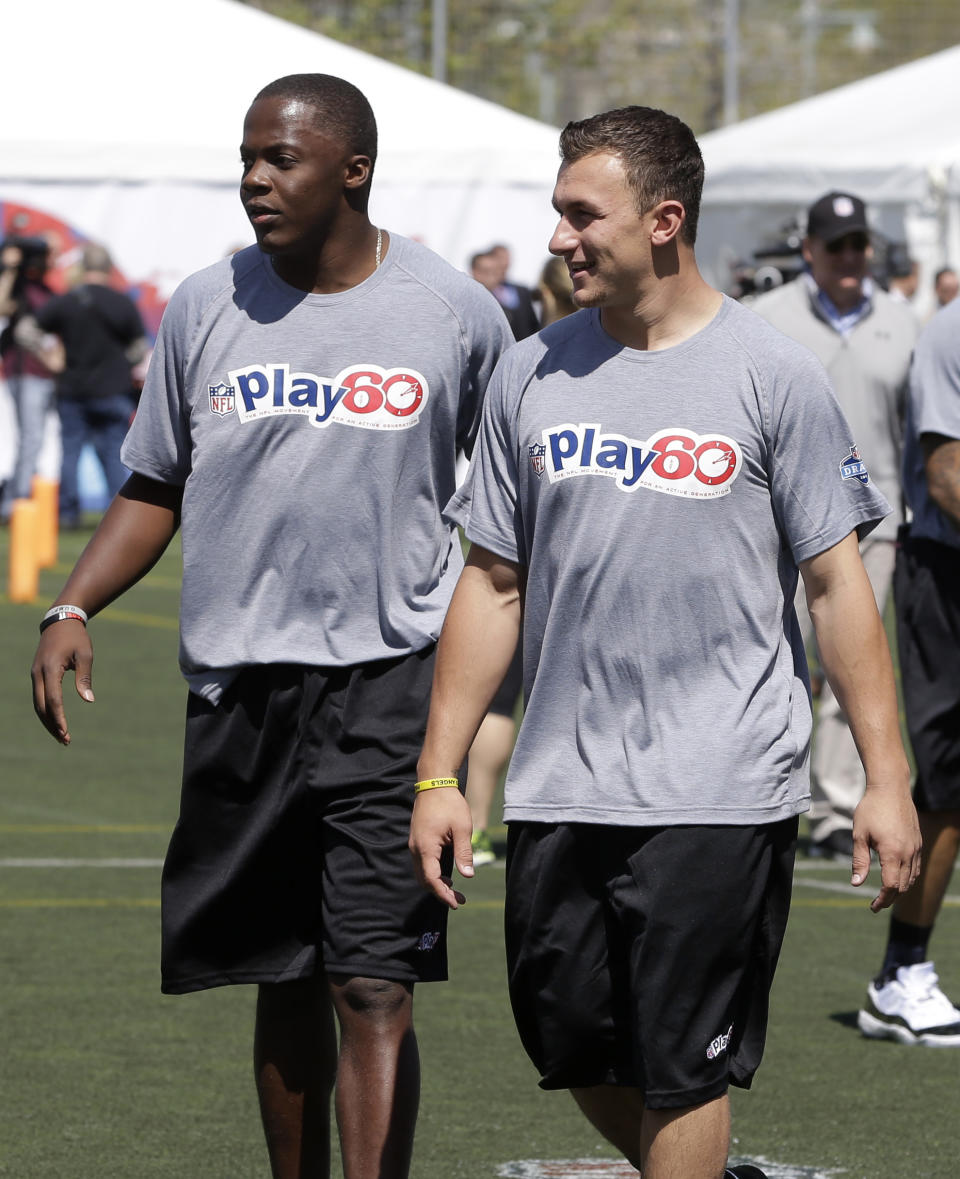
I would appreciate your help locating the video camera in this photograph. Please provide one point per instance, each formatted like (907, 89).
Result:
(35, 252)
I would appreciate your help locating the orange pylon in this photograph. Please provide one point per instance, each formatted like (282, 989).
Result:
(46, 495)
(24, 571)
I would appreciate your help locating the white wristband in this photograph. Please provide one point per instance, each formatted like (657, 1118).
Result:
(62, 614)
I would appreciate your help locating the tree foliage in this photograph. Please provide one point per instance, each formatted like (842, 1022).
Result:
(561, 59)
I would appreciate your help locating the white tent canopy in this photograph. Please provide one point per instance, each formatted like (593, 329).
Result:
(133, 135)
(892, 138)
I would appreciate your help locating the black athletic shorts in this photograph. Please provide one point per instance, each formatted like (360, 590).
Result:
(644, 956)
(290, 854)
(926, 587)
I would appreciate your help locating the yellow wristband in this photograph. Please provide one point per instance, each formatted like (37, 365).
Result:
(435, 784)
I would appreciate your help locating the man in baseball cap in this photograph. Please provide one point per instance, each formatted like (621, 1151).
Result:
(864, 338)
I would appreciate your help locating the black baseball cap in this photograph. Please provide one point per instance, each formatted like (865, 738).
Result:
(835, 215)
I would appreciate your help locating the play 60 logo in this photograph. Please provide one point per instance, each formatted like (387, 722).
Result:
(365, 395)
(675, 461)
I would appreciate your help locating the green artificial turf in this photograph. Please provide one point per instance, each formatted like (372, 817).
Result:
(102, 1077)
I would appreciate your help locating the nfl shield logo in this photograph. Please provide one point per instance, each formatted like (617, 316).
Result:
(222, 400)
(852, 466)
(538, 460)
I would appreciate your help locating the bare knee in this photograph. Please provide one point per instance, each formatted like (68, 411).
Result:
(373, 1001)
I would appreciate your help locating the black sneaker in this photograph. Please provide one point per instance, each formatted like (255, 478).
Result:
(745, 1171)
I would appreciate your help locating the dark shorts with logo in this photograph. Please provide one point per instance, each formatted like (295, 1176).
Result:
(926, 587)
(290, 854)
(644, 956)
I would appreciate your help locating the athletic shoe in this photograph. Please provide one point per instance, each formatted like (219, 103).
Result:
(483, 852)
(747, 1171)
(911, 1009)
(837, 846)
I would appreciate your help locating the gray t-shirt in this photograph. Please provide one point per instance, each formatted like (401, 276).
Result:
(315, 437)
(933, 408)
(868, 367)
(661, 502)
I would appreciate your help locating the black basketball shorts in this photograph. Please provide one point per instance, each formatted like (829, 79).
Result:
(926, 587)
(644, 956)
(290, 854)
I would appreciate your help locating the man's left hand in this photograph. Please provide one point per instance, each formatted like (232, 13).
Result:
(886, 821)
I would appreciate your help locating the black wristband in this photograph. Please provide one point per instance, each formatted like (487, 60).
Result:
(62, 614)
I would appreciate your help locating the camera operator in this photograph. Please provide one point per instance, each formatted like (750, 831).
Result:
(103, 339)
(29, 377)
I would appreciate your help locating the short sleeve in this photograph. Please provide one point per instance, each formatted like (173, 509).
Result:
(158, 442)
(820, 481)
(486, 506)
(935, 378)
(489, 337)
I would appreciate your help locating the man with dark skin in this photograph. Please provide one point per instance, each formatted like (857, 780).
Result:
(309, 676)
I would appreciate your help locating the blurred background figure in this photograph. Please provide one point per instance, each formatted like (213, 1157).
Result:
(946, 286)
(23, 292)
(556, 291)
(864, 338)
(490, 269)
(903, 274)
(489, 754)
(103, 339)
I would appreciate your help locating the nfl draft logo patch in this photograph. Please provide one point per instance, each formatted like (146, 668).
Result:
(222, 399)
(852, 466)
(538, 460)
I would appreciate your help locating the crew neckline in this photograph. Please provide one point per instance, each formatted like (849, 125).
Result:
(646, 356)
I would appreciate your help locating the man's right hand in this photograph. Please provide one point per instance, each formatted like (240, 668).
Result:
(441, 819)
(63, 646)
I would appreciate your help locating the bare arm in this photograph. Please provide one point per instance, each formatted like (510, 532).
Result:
(10, 259)
(132, 536)
(478, 641)
(33, 339)
(856, 659)
(941, 460)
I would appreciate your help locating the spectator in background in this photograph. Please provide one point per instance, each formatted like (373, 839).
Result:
(103, 338)
(946, 286)
(902, 272)
(864, 339)
(23, 292)
(490, 269)
(556, 291)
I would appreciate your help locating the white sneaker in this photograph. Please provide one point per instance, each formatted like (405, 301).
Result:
(911, 1009)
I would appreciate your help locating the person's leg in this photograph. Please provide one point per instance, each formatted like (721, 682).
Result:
(381, 932)
(837, 779)
(617, 1112)
(32, 397)
(489, 753)
(688, 1143)
(378, 1078)
(73, 431)
(941, 844)
(295, 1066)
(109, 422)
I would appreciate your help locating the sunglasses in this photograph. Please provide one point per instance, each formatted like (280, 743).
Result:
(851, 241)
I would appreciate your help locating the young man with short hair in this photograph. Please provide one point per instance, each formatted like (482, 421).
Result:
(651, 473)
(300, 423)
